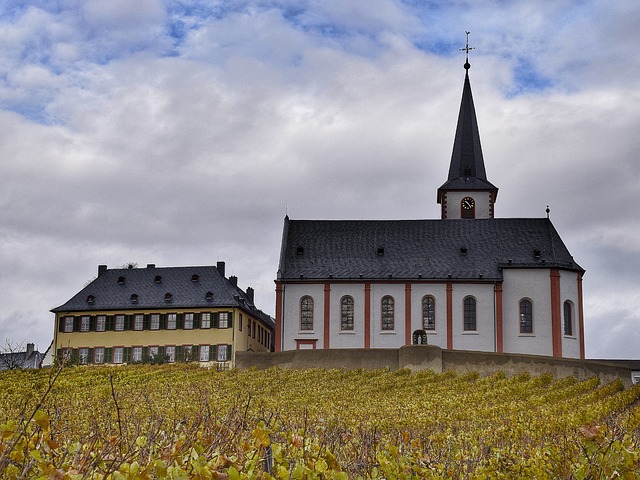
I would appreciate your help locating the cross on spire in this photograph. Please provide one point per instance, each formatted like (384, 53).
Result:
(466, 49)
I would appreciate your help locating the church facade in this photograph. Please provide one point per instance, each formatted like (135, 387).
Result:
(466, 281)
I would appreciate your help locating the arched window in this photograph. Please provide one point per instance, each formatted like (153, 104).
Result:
(469, 314)
(346, 313)
(388, 313)
(428, 313)
(526, 316)
(306, 313)
(568, 318)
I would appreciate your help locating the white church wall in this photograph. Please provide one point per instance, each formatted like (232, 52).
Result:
(535, 285)
(483, 338)
(344, 338)
(387, 338)
(438, 291)
(569, 292)
(291, 332)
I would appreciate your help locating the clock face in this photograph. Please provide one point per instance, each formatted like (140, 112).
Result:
(467, 203)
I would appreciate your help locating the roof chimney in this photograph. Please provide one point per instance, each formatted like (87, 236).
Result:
(101, 269)
(234, 280)
(29, 349)
(151, 265)
(250, 294)
(220, 267)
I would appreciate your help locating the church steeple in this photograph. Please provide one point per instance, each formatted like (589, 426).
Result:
(467, 193)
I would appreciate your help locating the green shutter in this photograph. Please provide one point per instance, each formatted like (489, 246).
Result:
(145, 322)
(126, 355)
(60, 323)
(196, 320)
(108, 355)
(212, 353)
(92, 323)
(109, 323)
(229, 352)
(163, 321)
(179, 321)
(76, 324)
(145, 353)
(179, 357)
(214, 320)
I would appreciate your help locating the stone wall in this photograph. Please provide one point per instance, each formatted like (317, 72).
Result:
(425, 357)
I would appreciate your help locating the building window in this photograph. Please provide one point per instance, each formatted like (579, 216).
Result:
(187, 350)
(101, 323)
(204, 353)
(223, 353)
(138, 322)
(346, 313)
(83, 354)
(205, 320)
(388, 322)
(240, 324)
(188, 321)
(137, 354)
(306, 313)
(119, 324)
(68, 324)
(469, 314)
(568, 318)
(170, 351)
(153, 352)
(117, 354)
(428, 313)
(84, 323)
(223, 320)
(155, 321)
(171, 321)
(526, 316)
(98, 355)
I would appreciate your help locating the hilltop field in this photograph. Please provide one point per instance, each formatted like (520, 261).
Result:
(183, 421)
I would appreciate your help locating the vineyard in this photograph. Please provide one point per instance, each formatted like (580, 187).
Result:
(182, 421)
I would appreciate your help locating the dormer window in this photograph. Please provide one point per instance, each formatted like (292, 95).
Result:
(121, 280)
(91, 299)
(380, 251)
(157, 279)
(134, 298)
(168, 297)
(195, 277)
(299, 250)
(208, 296)
(536, 253)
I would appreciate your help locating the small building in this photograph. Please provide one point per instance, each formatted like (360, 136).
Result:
(29, 359)
(152, 314)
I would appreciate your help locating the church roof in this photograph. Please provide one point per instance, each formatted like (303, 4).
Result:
(419, 249)
(162, 287)
(467, 171)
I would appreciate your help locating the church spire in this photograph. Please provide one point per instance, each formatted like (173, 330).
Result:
(466, 171)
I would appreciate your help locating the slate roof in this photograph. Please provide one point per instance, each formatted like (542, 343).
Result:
(188, 286)
(467, 171)
(419, 249)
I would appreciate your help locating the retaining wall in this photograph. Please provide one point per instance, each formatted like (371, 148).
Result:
(425, 357)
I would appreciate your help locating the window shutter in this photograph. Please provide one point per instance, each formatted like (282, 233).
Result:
(196, 320)
(161, 353)
(145, 353)
(109, 323)
(126, 355)
(76, 324)
(179, 321)
(230, 320)
(228, 353)
(163, 321)
(145, 322)
(212, 353)
(179, 357)
(92, 323)
(59, 356)
(214, 320)
(108, 355)
(90, 356)
(60, 323)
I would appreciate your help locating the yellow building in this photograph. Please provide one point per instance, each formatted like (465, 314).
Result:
(151, 314)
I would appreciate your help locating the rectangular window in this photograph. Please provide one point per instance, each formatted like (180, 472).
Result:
(138, 322)
(83, 354)
(119, 324)
(171, 321)
(223, 320)
(153, 352)
(205, 320)
(101, 322)
(187, 350)
(137, 354)
(98, 355)
(188, 321)
(240, 323)
(155, 321)
(204, 353)
(171, 353)
(117, 354)
(68, 324)
(84, 323)
(253, 329)
(222, 353)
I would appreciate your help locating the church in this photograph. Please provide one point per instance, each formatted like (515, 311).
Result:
(466, 281)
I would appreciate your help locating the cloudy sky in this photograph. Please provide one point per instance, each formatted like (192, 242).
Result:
(181, 133)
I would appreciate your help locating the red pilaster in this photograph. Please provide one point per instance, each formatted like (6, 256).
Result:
(407, 314)
(327, 316)
(556, 323)
(449, 315)
(279, 319)
(499, 334)
(367, 315)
